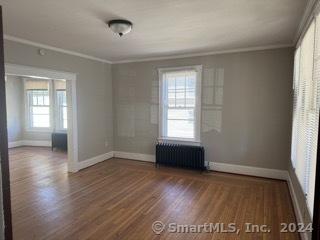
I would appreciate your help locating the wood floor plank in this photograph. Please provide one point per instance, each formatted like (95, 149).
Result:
(120, 199)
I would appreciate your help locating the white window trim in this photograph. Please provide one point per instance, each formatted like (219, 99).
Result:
(162, 138)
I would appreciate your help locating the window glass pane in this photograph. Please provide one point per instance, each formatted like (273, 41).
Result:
(180, 128)
(180, 83)
(171, 83)
(64, 102)
(190, 99)
(64, 112)
(62, 109)
(171, 99)
(184, 114)
(34, 99)
(40, 99)
(40, 121)
(180, 99)
(40, 110)
(46, 100)
(191, 83)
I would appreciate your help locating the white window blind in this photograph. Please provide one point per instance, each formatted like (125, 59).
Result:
(296, 76)
(306, 111)
(314, 119)
(304, 104)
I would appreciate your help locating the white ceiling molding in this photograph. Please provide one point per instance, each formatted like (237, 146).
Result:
(306, 19)
(40, 45)
(35, 44)
(206, 53)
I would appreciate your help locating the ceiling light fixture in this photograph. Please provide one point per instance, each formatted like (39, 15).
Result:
(120, 26)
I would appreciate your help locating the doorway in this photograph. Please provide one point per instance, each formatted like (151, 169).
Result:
(70, 79)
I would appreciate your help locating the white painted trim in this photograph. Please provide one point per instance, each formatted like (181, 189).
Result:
(29, 143)
(135, 156)
(95, 160)
(27, 71)
(40, 45)
(247, 170)
(296, 207)
(222, 167)
(236, 50)
(15, 144)
(72, 127)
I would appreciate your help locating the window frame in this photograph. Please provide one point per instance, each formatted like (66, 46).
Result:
(54, 115)
(162, 101)
(58, 115)
(28, 114)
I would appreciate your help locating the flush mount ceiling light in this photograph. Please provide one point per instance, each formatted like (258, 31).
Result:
(120, 26)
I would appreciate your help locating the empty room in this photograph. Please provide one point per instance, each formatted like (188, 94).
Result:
(160, 119)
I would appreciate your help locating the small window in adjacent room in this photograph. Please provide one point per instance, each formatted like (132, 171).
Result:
(46, 105)
(180, 100)
(38, 104)
(61, 104)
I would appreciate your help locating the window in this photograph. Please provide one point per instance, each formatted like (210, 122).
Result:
(46, 109)
(38, 104)
(306, 111)
(180, 90)
(61, 105)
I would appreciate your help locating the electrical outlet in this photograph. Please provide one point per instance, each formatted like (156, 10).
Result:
(106, 143)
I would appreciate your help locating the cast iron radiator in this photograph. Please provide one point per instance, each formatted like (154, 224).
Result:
(180, 156)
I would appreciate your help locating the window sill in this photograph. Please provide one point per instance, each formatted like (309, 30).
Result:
(41, 130)
(179, 141)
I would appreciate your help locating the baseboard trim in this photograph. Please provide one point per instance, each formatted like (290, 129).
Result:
(247, 170)
(95, 160)
(37, 143)
(135, 156)
(15, 144)
(296, 207)
(29, 143)
(221, 167)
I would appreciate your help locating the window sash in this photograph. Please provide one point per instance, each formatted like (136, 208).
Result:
(36, 99)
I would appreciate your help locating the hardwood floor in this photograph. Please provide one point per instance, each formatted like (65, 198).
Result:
(120, 199)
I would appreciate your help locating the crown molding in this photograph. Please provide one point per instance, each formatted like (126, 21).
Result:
(40, 45)
(206, 53)
(35, 44)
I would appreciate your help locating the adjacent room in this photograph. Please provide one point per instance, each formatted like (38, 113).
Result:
(162, 119)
